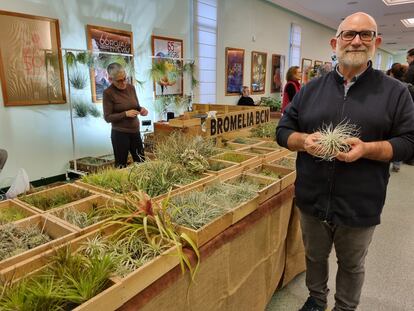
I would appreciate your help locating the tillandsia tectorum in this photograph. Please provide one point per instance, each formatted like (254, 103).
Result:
(332, 140)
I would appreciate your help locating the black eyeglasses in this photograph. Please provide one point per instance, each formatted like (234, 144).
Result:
(364, 35)
(121, 80)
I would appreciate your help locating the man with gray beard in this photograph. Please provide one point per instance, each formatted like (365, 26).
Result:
(341, 199)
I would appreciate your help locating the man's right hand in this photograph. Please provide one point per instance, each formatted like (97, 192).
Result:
(132, 113)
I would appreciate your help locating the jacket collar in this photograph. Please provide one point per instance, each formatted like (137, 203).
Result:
(340, 78)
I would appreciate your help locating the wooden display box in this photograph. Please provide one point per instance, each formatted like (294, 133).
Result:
(231, 169)
(53, 192)
(93, 202)
(58, 232)
(246, 160)
(286, 162)
(245, 141)
(286, 176)
(15, 211)
(183, 122)
(91, 164)
(205, 177)
(122, 289)
(97, 188)
(268, 187)
(204, 234)
(269, 144)
(267, 154)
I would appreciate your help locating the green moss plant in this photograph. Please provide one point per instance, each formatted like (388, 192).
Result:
(11, 214)
(233, 157)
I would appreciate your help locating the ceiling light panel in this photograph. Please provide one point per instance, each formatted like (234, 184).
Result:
(409, 22)
(397, 2)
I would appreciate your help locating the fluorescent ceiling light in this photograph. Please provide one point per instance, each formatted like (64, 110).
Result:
(409, 22)
(397, 2)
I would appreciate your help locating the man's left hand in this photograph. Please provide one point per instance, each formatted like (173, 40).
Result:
(357, 150)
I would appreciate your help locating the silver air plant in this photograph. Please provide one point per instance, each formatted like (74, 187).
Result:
(333, 140)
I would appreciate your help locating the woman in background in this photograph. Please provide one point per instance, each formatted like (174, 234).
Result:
(121, 109)
(245, 99)
(292, 86)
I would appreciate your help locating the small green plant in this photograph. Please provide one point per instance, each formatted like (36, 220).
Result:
(78, 80)
(257, 151)
(233, 157)
(266, 130)
(113, 179)
(16, 240)
(82, 109)
(286, 162)
(47, 201)
(274, 103)
(218, 166)
(83, 219)
(11, 214)
(269, 173)
(245, 181)
(245, 141)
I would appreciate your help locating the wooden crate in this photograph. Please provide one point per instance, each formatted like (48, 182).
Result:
(288, 175)
(287, 162)
(48, 224)
(122, 289)
(248, 141)
(85, 206)
(182, 122)
(231, 170)
(268, 186)
(97, 189)
(83, 165)
(249, 162)
(267, 154)
(22, 209)
(50, 192)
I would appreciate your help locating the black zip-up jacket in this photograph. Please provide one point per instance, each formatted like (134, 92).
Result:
(351, 194)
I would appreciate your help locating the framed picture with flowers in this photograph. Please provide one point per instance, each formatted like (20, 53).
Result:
(234, 71)
(167, 72)
(258, 73)
(306, 66)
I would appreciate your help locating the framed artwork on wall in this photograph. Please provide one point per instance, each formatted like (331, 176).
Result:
(31, 69)
(170, 48)
(278, 67)
(103, 39)
(234, 71)
(318, 63)
(306, 65)
(258, 73)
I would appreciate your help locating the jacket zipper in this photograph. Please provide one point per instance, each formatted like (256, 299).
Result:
(332, 174)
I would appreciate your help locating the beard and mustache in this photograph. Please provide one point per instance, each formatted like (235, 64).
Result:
(354, 57)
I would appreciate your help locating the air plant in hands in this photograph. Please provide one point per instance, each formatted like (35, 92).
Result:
(332, 140)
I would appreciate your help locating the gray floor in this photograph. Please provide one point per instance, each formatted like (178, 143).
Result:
(389, 281)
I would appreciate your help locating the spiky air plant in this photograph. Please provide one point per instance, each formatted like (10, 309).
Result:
(333, 140)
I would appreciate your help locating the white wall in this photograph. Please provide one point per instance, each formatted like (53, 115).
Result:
(240, 20)
(38, 138)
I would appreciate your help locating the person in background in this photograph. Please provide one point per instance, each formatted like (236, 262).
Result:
(341, 201)
(121, 108)
(397, 71)
(245, 99)
(292, 86)
(409, 76)
(3, 158)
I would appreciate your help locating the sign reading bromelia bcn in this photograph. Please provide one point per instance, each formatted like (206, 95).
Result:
(239, 120)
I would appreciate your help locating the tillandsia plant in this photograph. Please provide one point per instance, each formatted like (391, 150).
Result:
(286, 162)
(70, 280)
(83, 108)
(267, 130)
(157, 177)
(112, 179)
(47, 201)
(78, 80)
(83, 219)
(11, 214)
(16, 240)
(189, 151)
(218, 166)
(233, 157)
(268, 173)
(332, 140)
(245, 141)
(139, 216)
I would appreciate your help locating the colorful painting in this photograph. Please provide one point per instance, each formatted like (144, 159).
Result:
(278, 67)
(317, 63)
(258, 73)
(306, 66)
(108, 40)
(169, 48)
(30, 60)
(234, 71)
